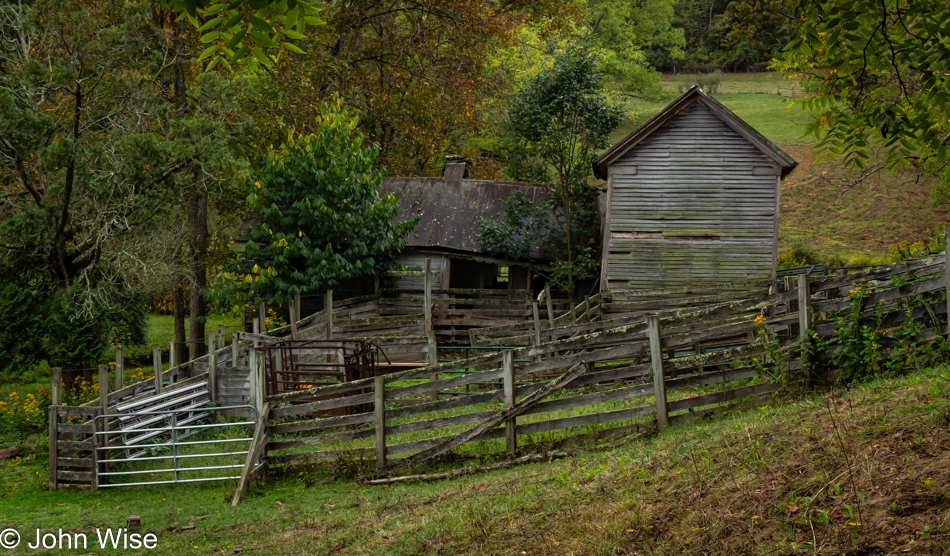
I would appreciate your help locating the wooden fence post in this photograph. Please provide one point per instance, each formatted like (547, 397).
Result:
(293, 320)
(262, 315)
(537, 323)
(103, 388)
(587, 307)
(222, 334)
(157, 369)
(550, 304)
(119, 367)
(235, 350)
(946, 273)
(656, 361)
(432, 358)
(256, 325)
(53, 438)
(804, 305)
(328, 305)
(252, 376)
(212, 369)
(508, 373)
(57, 387)
(379, 416)
(259, 392)
(427, 296)
(57, 402)
(172, 352)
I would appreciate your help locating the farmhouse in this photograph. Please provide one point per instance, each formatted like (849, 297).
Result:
(450, 209)
(692, 199)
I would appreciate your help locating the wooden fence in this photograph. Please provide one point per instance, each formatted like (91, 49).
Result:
(611, 376)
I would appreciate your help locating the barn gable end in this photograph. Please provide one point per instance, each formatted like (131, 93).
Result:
(691, 200)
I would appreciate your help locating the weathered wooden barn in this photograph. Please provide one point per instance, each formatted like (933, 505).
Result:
(450, 209)
(692, 199)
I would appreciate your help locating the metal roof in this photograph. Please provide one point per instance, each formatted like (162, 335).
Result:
(449, 210)
(693, 95)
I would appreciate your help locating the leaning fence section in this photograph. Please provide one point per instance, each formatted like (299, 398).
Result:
(606, 377)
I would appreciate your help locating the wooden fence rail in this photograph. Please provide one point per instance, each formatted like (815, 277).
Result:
(615, 373)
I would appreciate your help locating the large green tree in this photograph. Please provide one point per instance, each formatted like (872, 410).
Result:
(876, 80)
(321, 218)
(93, 157)
(561, 119)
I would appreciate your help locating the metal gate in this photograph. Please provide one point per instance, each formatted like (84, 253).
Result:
(296, 364)
(151, 445)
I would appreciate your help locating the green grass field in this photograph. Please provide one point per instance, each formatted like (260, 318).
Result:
(860, 471)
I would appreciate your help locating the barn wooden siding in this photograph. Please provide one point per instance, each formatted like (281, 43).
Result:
(693, 203)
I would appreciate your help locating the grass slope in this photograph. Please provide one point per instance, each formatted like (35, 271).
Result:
(821, 203)
(859, 472)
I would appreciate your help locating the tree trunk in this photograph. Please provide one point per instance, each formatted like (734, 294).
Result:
(178, 304)
(198, 243)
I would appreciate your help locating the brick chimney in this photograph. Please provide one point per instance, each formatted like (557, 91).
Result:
(457, 168)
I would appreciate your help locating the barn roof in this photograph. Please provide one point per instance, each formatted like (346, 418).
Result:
(693, 95)
(450, 207)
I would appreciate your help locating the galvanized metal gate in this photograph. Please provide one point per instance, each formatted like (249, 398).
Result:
(151, 446)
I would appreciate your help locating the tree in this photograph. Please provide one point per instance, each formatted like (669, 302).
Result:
(563, 120)
(623, 31)
(875, 80)
(418, 75)
(92, 157)
(321, 219)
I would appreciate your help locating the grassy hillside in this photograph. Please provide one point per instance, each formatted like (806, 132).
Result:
(821, 205)
(859, 472)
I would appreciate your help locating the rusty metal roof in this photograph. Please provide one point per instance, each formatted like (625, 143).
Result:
(449, 210)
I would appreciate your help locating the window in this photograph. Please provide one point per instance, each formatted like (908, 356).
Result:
(502, 275)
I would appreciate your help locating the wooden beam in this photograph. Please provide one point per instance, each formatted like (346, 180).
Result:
(54, 433)
(212, 369)
(103, 388)
(427, 296)
(328, 307)
(262, 317)
(379, 418)
(497, 419)
(946, 271)
(656, 362)
(256, 450)
(537, 323)
(508, 375)
(157, 369)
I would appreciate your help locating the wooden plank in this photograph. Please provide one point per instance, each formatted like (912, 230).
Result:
(256, 450)
(74, 429)
(328, 306)
(53, 437)
(157, 369)
(78, 476)
(427, 297)
(585, 420)
(508, 375)
(212, 369)
(489, 424)
(379, 413)
(537, 323)
(656, 362)
(723, 397)
(74, 463)
(119, 367)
